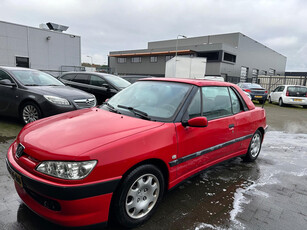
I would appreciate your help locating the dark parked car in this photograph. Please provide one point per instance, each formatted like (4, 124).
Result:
(255, 91)
(134, 78)
(102, 85)
(32, 94)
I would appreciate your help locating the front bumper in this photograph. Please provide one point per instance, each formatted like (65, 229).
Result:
(67, 205)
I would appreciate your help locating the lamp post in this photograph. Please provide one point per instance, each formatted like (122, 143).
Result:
(177, 42)
(91, 59)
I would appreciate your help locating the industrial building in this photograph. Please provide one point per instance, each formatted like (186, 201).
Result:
(45, 48)
(234, 56)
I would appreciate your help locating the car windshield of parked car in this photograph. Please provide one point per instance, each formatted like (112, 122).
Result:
(251, 86)
(35, 78)
(117, 81)
(155, 99)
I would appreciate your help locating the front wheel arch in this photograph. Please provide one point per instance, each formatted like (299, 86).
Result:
(25, 102)
(126, 190)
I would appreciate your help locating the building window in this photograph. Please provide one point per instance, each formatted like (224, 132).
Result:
(244, 73)
(229, 57)
(271, 72)
(121, 60)
(263, 72)
(255, 75)
(168, 58)
(22, 62)
(136, 59)
(211, 56)
(154, 59)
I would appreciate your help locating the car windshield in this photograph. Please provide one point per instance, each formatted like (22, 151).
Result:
(35, 78)
(117, 81)
(153, 98)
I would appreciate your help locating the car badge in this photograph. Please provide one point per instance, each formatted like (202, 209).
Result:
(87, 101)
(19, 151)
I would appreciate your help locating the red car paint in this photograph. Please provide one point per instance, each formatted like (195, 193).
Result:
(120, 142)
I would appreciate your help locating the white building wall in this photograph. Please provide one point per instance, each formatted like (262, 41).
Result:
(60, 49)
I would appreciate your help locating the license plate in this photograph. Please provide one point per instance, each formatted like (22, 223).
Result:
(297, 99)
(258, 96)
(16, 177)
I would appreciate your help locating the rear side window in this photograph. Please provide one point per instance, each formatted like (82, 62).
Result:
(68, 77)
(237, 106)
(82, 78)
(281, 88)
(216, 102)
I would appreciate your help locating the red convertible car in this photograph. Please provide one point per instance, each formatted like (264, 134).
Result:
(78, 168)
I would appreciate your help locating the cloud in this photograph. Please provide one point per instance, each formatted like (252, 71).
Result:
(106, 25)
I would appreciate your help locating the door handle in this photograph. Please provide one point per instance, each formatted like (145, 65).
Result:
(231, 126)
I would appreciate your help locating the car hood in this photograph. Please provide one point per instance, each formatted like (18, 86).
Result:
(75, 133)
(60, 91)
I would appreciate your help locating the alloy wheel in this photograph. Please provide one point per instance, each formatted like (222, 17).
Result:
(30, 114)
(255, 145)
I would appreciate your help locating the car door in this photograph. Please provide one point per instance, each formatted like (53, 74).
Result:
(277, 93)
(101, 88)
(200, 146)
(9, 96)
(81, 81)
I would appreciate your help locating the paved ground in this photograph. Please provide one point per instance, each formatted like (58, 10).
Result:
(270, 193)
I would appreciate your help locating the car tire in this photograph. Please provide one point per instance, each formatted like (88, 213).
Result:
(254, 147)
(305, 106)
(138, 196)
(261, 101)
(270, 101)
(30, 112)
(280, 102)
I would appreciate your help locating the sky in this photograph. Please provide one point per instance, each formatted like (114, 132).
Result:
(113, 25)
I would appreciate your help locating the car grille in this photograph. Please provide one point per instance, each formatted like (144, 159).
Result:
(85, 103)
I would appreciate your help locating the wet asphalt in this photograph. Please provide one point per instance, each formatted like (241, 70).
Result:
(270, 193)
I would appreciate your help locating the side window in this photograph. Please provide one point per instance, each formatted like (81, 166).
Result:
(276, 90)
(68, 77)
(4, 75)
(81, 78)
(237, 107)
(216, 102)
(194, 109)
(281, 88)
(97, 81)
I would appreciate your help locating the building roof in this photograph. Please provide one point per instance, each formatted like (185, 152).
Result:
(172, 52)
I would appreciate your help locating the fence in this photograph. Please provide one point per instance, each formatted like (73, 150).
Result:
(271, 82)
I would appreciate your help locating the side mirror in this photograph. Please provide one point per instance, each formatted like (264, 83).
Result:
(106, 85)
(196, 122)
(7, 82)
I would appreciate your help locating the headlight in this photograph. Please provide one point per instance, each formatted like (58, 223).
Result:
(67, 170)
(57, 100)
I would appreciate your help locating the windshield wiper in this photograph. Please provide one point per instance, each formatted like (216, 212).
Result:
(111, 107)
(140, 113)
(32, 85)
